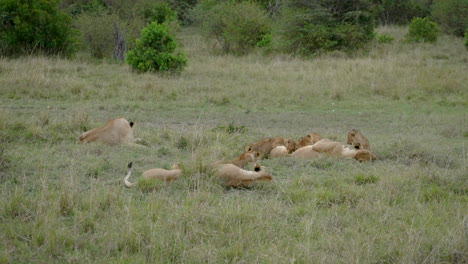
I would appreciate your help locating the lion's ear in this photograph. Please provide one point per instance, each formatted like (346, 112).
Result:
(352, 134)
(257, 154)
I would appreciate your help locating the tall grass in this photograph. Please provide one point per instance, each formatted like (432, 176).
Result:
(62, 202)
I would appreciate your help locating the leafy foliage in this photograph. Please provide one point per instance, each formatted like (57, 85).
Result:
(160, 13)
(32, 26)
(154, 51)
(452, 15)
(466, 38)
(400, 11)
(422, 30)
(310, 26)
(237, 27)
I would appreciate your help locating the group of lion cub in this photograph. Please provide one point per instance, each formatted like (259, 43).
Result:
(232, 172)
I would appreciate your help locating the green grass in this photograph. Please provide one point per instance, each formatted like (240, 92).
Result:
(62, 202)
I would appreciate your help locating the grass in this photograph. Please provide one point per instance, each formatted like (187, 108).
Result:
(62, 202)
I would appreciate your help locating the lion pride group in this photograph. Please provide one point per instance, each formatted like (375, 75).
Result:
(233, 172)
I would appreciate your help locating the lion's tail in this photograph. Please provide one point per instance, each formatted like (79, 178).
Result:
(129, 173)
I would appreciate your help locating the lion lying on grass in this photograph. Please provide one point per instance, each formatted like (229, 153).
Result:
(357, 139)
(115, 131)
(160, 174)
(334, 149)
(310, 139)
(265, 146)
(244, 159)
(234, 176)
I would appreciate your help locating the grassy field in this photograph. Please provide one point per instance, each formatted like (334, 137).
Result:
(62, 202)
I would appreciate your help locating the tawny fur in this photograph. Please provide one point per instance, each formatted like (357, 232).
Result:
(160, 174)
(357, 139)
(234, 176)
(310, 139)
(279, 151)
(244, 159)
(265, 146)
(337, 149)
(305, 152)
(115, 131)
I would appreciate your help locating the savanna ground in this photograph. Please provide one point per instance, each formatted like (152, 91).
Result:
(62, 202)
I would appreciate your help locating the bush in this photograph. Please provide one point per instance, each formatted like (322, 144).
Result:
(422, 30)
(160, 13)
(236, 26)
(154, 51)
(400, 11)
(32, 26)
(97, 31)
(384, 38)
(307, 27)
(452, 15)
(466, 38)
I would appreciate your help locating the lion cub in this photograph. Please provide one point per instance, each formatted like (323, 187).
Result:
(234, 176)
(161, 174)
(244, 159)
(357, 139)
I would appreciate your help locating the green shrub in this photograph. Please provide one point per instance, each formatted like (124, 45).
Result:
(97, 31)
(154, 51)
(400, 11)
(236, 26)
(422, 30)
(160, 13)
(35, 26)
(451, 15)
(306, 27)
(384, 38)
(466, 38)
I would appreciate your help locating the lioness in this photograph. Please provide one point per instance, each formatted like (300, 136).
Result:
(337, 149)
(310, 139)
(244, 159)
(161, 174)
(115, 131)
(279, 151)
(305, 152)
(265, 146)
(234, 176)
(357, 139)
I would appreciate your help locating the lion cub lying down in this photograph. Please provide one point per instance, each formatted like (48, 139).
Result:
(335, 149)
(115, 131)
(244, 159)
(161, 174)
(234, 176)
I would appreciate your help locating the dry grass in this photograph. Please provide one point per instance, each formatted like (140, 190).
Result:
(62, 202)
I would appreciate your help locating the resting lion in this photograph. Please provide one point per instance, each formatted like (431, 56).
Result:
(161, 174)
(310, 139)
(357, 139)
(265, 146)
(244, 159)
(279, 151)
(115, 131)
(337, 149)
(234, 176)
(305, 152)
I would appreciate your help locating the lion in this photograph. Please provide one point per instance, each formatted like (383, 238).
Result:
(310, 139)
(337, 149)
(279, 151)
(234, 176)
(357, 139)
(115, 131)
(305, 152)
(244, 159)
(265, 146)
(160, 174)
